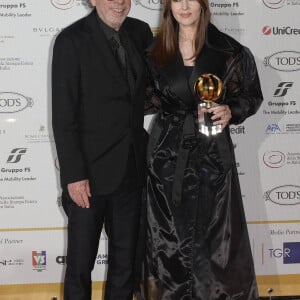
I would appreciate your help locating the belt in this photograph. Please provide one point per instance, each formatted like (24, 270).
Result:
(188, 142)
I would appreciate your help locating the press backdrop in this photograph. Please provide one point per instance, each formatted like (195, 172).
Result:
(32, 223)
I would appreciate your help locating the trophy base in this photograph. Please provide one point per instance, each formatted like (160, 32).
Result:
(210, 130)
(205, 123)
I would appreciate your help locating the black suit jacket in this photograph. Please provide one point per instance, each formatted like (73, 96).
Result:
(95, 117)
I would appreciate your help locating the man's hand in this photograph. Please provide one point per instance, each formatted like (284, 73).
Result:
(80, 192)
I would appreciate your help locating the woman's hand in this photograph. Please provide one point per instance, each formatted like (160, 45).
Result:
(221, 115)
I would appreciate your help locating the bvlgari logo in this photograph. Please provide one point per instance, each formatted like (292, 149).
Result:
(63, 4)
(150, 4)
(11, 102)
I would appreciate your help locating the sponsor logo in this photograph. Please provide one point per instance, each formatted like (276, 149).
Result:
(278, 159)
(17, 173)
(273, 128)
(237, 129)
(285, 30)
(63, 4)
(16, 154)
(39, 260)
(285, 61)
(150, 4)
(290, 128)
(289, 252)
(12, 63)
(14, 102)
(234, 4)
(67, 4)
(13, 6)
(267, 30)
(7, 202)
(227, 9)
(61, 260)
(40, 135)
(7, 262)
(274, 159)
(283, 88)
(284, 195)
(47, 31)
(102, 259)
(292, 251)
(274, 4)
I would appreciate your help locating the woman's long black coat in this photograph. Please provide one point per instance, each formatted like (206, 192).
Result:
(197, 241)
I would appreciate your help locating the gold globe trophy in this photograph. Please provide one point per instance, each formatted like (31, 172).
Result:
(208, 88)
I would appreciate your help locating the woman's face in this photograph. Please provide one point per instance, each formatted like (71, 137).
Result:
(186, 12)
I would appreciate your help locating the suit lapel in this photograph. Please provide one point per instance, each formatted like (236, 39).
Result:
(102, 46)
(137, 63)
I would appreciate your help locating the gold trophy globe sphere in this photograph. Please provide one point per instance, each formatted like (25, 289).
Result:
(208, 88)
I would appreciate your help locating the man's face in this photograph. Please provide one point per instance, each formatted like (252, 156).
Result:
(112, 12)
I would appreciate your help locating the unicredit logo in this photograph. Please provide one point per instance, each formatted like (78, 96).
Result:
(274, 4)
(267, 30)
(286, 61)
(63, 4)
(285, 30)
(13, 102)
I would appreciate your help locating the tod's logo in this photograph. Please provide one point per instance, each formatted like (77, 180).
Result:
(284, 195)
(14, 102)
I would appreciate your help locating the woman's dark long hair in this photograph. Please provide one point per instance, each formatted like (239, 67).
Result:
(164, 50)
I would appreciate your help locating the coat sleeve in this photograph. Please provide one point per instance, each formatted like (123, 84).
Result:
(244, 95)
(66, 109)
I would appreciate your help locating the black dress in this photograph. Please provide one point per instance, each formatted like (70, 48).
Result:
(197, 244)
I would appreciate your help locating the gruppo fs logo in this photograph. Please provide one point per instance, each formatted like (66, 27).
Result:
(15, 155)
(63, 4)
(274, 4)
(283, 88)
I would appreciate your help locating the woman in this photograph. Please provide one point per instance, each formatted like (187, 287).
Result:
(197, 240)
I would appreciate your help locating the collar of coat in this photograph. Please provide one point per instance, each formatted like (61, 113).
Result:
(219, 49)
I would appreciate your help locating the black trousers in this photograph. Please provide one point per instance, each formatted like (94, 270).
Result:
(121, 213)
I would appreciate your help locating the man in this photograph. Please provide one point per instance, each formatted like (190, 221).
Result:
(98, 90)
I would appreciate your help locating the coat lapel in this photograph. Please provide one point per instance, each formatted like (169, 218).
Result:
(175, 75)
